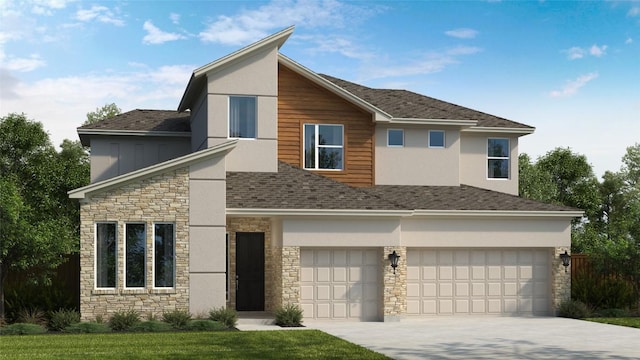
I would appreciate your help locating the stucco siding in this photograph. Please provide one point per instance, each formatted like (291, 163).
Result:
(473, 163)
(341, 233)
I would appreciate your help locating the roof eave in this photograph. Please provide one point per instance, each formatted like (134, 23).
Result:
(502, 213)
(186, 160)
(438, 122)
(378, 114)
(316, 212)
(501, 130)
(277, 39)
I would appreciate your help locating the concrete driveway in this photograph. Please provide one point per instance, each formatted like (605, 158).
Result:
(490, 338)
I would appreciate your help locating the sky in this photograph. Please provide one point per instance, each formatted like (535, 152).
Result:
(571, 69)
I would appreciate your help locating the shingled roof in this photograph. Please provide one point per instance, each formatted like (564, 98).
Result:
(145, 120)
(403, 104)
(295, 188)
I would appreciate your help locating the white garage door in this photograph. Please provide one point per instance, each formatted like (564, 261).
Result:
(339, 283)
(476, 281)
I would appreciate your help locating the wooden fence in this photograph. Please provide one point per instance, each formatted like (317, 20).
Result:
(579, 264)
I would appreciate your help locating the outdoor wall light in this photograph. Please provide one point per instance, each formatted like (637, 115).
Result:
(393, 258)
(566, 259)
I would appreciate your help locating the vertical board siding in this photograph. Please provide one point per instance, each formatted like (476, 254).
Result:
(302, 102)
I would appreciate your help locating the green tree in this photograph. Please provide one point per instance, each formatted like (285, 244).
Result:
(105, 112)
(39, 222)
(534, 183)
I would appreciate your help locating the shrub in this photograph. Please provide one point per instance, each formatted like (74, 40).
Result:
(87, 328)
(289, 315)
(228, 317)
(603, 293)
(151, 326)
(205, 325)
(573, 309)
(613, 313)
(32, 316)
(23, 329)
(62, 318)
(177, 318)
(123, 320)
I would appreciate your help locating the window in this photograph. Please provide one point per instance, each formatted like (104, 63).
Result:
(242, 117)
(436, 139)
(164, 254)
(323, 147)
(135, 246)
(106, 244)
(395, 137)
(498, 158)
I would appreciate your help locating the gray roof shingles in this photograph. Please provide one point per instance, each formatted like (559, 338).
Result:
(145, 120)
(295, 188)
(409, 105)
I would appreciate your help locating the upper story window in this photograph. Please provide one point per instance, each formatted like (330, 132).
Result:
(436, 139)
(106, 260)
(498, 158)
(395, 137)
(135, 255)
(323, 147)
(242, 117)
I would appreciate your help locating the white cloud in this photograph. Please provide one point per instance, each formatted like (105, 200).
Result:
(462, 33)
(628, 41)
(336, 44)
(575, 53)
(175, 18)
(157, 36)
(22, 64)
(251, 25)
(597, 51)
(99, 13)
(634, 11)
(571, 87)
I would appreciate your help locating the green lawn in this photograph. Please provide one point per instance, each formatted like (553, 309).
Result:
(294, 344)
(622, 321)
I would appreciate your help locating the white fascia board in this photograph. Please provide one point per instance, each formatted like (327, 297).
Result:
(378, 115)
(499, 213)
(317, 212)
(438, 122)
(278, 39)
(501, 130)
(133, 133)
(186, 160)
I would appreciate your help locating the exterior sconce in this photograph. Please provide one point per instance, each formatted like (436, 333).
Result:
(393, 258)
(566, 259)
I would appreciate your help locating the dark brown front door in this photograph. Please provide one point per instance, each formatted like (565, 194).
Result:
(250, 271)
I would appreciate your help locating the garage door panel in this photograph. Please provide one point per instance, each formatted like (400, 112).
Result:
(477, 281)
(340, 283)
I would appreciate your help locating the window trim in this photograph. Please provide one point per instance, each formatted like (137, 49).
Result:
(317, 146)
(229, 117)
(144, 272)
(508, 158)
(153, 260)
(444, 139)
(388, 133)
(95, 256)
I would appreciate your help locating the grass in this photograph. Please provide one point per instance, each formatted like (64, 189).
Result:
(299, 344)
(633, 322)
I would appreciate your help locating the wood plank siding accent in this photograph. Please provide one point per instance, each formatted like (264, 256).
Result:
(300, 102)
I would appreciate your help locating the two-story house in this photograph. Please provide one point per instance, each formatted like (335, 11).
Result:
(272, 184)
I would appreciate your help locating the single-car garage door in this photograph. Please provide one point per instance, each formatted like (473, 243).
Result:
(339, 283)
(478, 281)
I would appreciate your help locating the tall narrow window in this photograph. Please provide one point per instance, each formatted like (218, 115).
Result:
(498, 158)
(323, 147)
(395, 137)
(436, 139)
(242, 117)
(106, 245)
(135, 245)
(164, 254)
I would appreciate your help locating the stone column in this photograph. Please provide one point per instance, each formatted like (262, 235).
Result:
(290, 275)
(394, 285)
(560, 278)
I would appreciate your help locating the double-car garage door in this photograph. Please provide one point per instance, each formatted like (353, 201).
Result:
(478, 281)
(346, 283)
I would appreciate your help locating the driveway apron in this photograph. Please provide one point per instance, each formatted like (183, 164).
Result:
(489, 338)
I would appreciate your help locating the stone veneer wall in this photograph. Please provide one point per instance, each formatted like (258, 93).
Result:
(249, 224)
(290, 285)
(560, 280)
(162, 198)
(394, 292)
